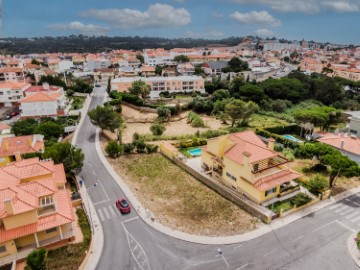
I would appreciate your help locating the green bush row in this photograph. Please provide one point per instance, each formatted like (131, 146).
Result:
(286, 142)
(195, 120)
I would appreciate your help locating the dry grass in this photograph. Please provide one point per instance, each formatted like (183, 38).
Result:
(179, 201)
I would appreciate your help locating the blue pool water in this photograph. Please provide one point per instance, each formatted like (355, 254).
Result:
(292, 138)
(195, 152)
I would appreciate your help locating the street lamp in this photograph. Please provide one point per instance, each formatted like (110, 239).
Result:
(87, 200)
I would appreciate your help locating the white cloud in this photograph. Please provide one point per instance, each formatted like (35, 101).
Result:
(79, 27)
(342, 6)
(263, 32)
(306, 6)
(158, 15)
(256, 17)
(209, 34)
(217, 15)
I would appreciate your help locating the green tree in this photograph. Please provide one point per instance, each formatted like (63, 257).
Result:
(181, 58)
(157, 129)
(140, 88)
(239, 110)
(36, 260)
(339, 164)
(108, 88)
(140, 57)
(25, 127)
(81, 86)
(114, 149)
(50, 130)
(158, 70)
(70, 156)
(53, 80)
(317, 184)
(236, 65)
(220, 94)
(105, 118)
(251, 92)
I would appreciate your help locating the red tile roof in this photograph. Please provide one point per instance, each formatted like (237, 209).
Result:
(41, 97)
(350, 144)
(248, 142)
(273, 180)
(22, 144)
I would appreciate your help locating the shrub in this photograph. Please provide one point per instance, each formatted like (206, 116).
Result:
(288, 153)
(136, 137)
(300, 199)
(36, 260)
(157, 129)
(128, 148)
(70, 92)
(151, 148)
(164, 113)
(195, 120)
(140, 147)
(317, 184)
(113, 149)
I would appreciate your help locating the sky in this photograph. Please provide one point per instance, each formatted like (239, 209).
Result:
(319, 20)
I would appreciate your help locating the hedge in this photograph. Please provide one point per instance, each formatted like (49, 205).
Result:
(278, 138)
(292, 129)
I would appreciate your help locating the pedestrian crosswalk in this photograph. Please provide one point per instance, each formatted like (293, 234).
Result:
(349, 212)
(107, 212)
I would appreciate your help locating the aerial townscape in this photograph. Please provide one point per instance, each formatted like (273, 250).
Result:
(144, 135)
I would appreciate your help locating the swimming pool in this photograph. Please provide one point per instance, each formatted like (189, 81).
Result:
(195, 152)
(292, 138)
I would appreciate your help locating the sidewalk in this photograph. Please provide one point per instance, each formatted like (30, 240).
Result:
(353, 249)
(147, 217)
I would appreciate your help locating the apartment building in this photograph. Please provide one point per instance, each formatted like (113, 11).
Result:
(157, 57)
(11, 74)
(12, 92)
(35, 207)
(159, 84)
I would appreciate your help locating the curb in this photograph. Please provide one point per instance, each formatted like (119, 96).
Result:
(82, 119)
(353, 249)
(147, 217)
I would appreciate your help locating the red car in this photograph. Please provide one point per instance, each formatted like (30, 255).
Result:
(123, 206)
(14, 113)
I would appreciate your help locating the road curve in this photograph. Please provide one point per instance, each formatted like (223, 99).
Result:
(317, 241)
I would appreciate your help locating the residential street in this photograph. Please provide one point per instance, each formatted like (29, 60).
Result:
(317, 241)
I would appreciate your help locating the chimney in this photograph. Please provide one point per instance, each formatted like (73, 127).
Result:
(246, 158)
(30, 142)
(271, 143)
(6, 146)
(46, 86)
(8, 206)
(18, 156)
(342, 144)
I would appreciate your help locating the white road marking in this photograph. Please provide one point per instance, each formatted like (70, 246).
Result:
(101, 215)
(355, 219)
(341, 208)
(239, 246)
(322, 226)
(358, 204)
(347, 211)
(130, 219)
(107, 196)
(105, 201)
(241, 267)
(131, 239)
(106, 213)
(334, 206)
(267, 254)
(345, 226)
(116, 210)
(296, 239)
(352, 215)
(111, 211)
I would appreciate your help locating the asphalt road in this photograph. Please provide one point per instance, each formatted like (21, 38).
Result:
(314, 242)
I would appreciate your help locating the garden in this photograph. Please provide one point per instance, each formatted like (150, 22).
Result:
(298, 200)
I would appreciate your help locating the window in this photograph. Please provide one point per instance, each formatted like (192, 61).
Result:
(47, 200)
(270, 191)
(1, 93)
(231, 176)
(51, 230)
(256, 167)
(2, 249)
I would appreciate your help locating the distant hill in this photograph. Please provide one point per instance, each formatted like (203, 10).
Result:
(85, 44)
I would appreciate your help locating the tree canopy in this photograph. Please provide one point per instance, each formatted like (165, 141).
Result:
(140, 88)
(50, 130)
(236, 65)
(105, 118)
(181, 58)
(67, 154)
(240, 111)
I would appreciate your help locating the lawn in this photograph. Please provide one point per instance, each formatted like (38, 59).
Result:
(298, 200)
(71, 256)
(78, 103)
(284, 205)
(179, 201)
(263, 121)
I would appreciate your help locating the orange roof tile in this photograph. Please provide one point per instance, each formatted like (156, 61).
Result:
(350, 144)
(22, 144)
(4, 126)
(276, 179)
(41, 97)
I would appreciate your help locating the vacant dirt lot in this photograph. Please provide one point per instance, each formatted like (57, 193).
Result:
(179, 201)
(141, 122)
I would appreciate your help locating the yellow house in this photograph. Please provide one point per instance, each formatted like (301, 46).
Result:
(35, 207)
(11, 148)
(243, 162)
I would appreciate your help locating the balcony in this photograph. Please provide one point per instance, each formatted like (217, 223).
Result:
(45, 210)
